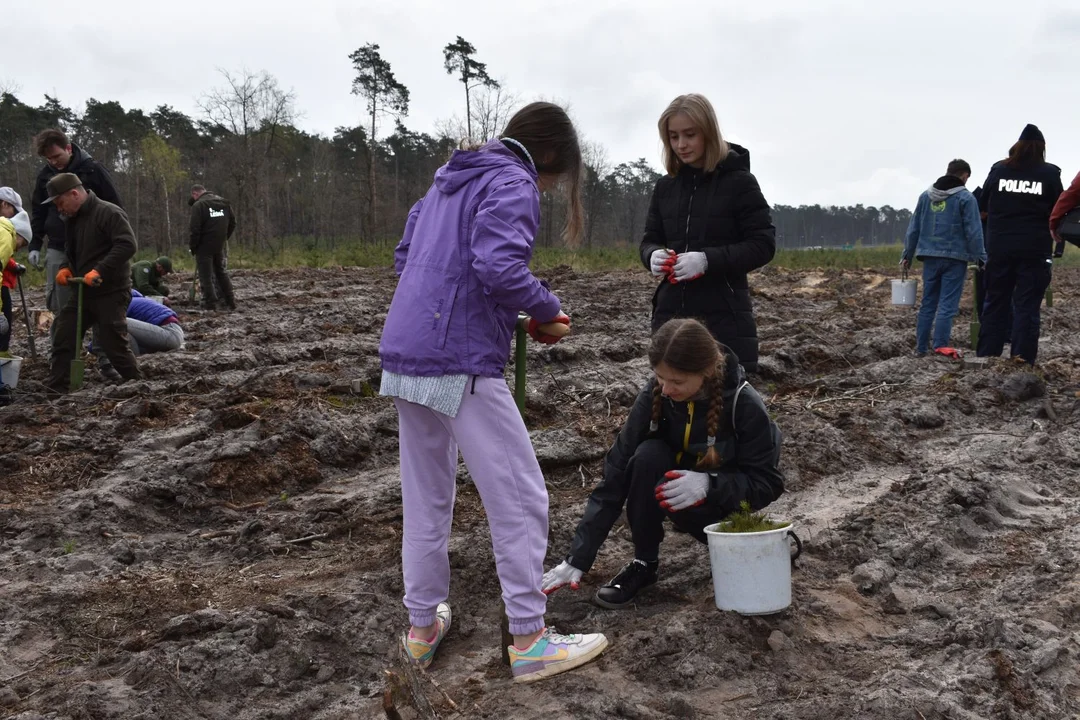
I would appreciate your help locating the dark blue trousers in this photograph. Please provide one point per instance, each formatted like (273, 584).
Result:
(1016, 284)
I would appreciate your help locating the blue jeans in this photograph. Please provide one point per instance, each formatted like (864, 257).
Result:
(943, 283)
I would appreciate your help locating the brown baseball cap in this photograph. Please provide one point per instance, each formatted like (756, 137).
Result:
(60, 184)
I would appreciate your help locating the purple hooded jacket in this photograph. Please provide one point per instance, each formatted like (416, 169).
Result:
(464, 268)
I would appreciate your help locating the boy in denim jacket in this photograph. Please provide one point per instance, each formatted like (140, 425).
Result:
(945, 233)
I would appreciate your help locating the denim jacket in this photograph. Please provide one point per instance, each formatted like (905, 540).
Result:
(946, 224)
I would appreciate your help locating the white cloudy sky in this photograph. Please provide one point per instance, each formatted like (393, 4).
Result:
(839, 101)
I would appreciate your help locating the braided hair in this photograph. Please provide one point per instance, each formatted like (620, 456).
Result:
(715, 383)
(687, 346)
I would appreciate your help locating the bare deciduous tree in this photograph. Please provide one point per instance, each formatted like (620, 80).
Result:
(253, 109)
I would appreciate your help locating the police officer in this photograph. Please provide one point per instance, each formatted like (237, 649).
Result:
(1017, 198)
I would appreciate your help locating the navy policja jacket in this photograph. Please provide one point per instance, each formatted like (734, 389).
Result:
(1018, 202)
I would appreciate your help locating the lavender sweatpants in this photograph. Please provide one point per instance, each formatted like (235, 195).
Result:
(493, 441)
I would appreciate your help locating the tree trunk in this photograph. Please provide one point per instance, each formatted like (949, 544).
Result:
(468, 111)
(138, 200)
(371, 177)
(168, 221)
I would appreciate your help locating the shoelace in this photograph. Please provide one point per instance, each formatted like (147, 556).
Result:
(554, 635)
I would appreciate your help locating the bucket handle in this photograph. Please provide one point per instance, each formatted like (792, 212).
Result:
(798, 546)
(903, 274)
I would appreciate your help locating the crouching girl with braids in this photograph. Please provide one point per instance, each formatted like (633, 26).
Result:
(697, 443)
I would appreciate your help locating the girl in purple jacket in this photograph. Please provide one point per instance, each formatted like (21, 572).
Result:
(464, 274)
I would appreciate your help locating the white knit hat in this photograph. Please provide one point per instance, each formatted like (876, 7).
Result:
(21, 221)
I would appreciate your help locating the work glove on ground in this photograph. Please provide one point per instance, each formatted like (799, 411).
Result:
(35, 258)
(63, 276)
(535, 333)
(684, 489)
(661, 262)
(92, 278)
(559, 576)
(689, 266)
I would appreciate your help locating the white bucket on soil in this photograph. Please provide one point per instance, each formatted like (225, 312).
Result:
(752, 571)
(903, 292)
(9, 371)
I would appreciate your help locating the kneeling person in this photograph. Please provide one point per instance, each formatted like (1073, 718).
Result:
(146, 276)
(698, 442)
(152, 326)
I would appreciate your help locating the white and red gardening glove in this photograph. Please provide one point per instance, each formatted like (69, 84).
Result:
(661, 262)
(689, 266)
(684, 489)
(536, 334)
(559, 576)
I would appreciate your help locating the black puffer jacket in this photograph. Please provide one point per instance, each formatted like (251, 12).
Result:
(46, 218)
(723, 214)
(750, 448)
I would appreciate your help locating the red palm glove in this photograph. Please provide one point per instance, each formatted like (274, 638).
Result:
(536, 334)
(63, 276)
(92, 278)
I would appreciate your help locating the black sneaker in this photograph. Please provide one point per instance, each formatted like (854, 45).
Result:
(635, 576)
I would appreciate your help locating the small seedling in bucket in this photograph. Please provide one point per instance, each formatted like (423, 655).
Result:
(745, 520)
(751, 562)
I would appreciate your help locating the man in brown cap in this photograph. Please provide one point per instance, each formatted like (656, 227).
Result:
(99, 245)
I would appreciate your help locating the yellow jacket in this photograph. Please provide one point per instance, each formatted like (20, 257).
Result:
(7, 241)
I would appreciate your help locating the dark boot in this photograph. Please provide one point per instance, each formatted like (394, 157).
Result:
(635, 576)
(108, 372)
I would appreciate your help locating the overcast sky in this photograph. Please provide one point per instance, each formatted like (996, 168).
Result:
(838, 102)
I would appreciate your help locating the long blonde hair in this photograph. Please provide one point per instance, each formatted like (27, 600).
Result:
(700, 111)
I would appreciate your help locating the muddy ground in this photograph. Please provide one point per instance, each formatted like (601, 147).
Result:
(222, 539)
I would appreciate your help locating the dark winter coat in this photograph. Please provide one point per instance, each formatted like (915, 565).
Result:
(99, 237)
(1018, 203)
(46, 218)
(212, 223)
(723, 214)
(749, 448)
